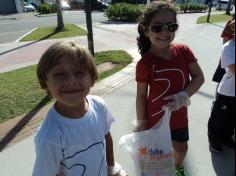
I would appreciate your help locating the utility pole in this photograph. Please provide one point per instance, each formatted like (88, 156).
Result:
(210, 4)
(88, 12)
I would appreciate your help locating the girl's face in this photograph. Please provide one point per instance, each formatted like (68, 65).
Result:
(162, 39)
(69, 83)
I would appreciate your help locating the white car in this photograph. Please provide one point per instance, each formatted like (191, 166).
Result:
(65, 5)
(28, 7)
(223, 5)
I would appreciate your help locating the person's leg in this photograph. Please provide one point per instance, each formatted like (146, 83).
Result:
(180, 151)
(229, 121)
(180, 138)
(215, 125)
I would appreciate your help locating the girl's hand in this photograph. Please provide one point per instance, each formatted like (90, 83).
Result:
(140, 126)
(116, 170)
(177, 101)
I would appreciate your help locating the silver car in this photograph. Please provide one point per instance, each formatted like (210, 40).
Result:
(28, 7)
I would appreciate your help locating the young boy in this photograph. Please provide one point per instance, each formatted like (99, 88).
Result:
(74, 139)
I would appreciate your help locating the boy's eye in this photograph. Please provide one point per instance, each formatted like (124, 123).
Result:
(80, 73)
(58, 75)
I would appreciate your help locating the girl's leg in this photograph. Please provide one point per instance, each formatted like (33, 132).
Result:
(180, 139)
(180, 151)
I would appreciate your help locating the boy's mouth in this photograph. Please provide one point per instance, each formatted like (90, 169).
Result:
(71, 91)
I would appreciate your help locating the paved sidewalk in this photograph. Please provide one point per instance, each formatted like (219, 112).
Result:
(18, 159)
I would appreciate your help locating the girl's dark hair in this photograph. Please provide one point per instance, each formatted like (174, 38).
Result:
(144, 42)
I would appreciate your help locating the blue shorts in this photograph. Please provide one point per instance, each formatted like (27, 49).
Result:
(180, 135)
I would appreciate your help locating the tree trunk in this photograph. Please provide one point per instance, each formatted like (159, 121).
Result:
(229, 7)
(60, 23)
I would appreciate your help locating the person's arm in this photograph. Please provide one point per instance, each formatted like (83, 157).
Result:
(182, 98)
(141, 101)
(109, 150)
(197, 79)
(141, 105)
(114, 169)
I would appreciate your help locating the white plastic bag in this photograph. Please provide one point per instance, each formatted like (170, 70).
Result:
(151, 150)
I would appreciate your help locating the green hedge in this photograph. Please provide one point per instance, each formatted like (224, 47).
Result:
(45, 8)
(192, 7)
(124, 12)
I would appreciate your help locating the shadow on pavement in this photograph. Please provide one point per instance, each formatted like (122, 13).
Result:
(44, 38)
(22, 123)
(224, 165)
(217, 25)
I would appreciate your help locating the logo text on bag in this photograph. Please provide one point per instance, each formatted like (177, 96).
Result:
(153, 153)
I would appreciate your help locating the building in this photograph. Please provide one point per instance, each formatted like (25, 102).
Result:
(11, 6)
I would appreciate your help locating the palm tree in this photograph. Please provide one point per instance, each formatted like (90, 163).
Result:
(60, 22)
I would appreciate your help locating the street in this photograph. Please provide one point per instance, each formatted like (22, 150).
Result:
(12, 29)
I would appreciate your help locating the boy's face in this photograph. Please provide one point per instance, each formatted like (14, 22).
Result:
(68, 83)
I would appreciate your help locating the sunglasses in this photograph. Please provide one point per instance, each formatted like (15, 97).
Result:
(156, 28)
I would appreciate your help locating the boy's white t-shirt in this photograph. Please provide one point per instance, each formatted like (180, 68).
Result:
(227, 84)
(76, 147)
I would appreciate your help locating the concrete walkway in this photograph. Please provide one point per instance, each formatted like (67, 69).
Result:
(206, 44)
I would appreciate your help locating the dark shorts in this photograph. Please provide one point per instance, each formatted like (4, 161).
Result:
(221, 124)
(180, 135)
(219, 73)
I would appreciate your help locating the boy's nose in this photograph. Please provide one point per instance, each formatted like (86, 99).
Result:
(72, 79)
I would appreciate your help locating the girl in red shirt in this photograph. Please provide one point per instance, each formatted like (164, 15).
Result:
(167, 75)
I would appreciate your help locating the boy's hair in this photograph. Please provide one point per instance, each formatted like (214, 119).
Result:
(144, 42)
(71, 50)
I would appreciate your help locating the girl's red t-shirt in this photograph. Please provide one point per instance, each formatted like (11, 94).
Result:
(165, 77)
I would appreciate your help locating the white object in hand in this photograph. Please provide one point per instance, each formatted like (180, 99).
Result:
(177, 101)
(116, 170)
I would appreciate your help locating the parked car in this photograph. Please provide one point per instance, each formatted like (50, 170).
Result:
(99, 5)
(65, 5)
(29, 7)
(223, 5)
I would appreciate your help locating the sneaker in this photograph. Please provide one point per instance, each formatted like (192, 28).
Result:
(215, 147)
(179, 171)
(230, 143)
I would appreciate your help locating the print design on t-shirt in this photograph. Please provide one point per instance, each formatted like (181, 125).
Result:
(156, 79)
(84, 166)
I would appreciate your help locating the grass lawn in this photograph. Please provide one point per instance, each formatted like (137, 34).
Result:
(42, 33)
(20, 91)
(215, 18)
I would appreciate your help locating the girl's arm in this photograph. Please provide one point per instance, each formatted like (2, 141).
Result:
(141, 101)
(197, 79)
(141, 104)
